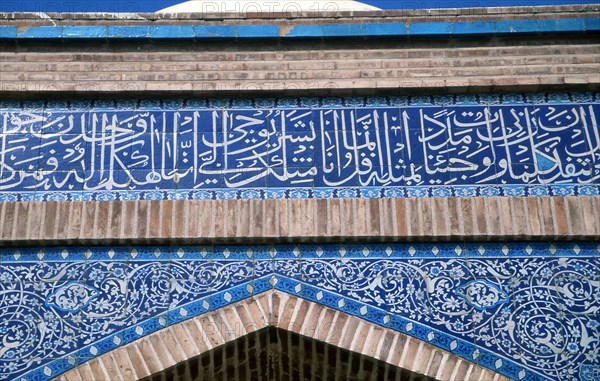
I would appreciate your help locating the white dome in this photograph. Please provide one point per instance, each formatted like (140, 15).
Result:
(251, 6)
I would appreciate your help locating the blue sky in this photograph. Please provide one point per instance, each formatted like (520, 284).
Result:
(153, 5)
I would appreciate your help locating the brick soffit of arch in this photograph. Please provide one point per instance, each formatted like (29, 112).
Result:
(161, 350)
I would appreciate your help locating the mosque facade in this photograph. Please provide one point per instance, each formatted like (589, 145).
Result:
(290, 194)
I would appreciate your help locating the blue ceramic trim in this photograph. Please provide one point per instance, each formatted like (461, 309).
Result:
(242, 32)
(520, 309)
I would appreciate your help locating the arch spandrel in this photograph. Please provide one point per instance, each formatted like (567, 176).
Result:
(164, 349)
(85, 302)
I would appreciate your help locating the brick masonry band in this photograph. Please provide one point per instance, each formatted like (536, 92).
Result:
(304, 220)
(369, 30)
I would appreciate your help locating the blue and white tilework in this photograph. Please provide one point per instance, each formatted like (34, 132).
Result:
(529, 311)
(403, 146)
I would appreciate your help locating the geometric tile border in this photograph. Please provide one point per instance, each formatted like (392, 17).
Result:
(524, 310)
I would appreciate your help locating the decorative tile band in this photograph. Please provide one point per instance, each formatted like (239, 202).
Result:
(419, 146)
(356, 30)
(526, 310)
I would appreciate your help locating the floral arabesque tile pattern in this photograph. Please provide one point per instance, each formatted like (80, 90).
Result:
(414, 146)
(526, 310)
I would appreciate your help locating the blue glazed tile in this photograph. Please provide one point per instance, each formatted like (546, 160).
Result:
(383, 30)
(129, 31)
(87, 32)
(212, 31)
(172, 32)
(40, 32)
(430, 28)
(257, 31)
(474, 28)
(559, 25)
(517, 26)
(343, 30)
(459, 148)
(8, 32)
(304, 31)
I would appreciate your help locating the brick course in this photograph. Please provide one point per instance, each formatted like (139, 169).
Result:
(300, 220)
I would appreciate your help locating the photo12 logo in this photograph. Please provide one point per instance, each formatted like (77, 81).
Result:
(245, 7)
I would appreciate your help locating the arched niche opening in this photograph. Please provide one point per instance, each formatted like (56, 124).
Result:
(275, 354)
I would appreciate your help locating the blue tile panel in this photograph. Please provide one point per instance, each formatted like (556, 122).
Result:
(419, 146)
(242, 32)
(526, 310)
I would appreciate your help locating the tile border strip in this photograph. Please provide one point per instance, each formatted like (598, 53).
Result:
(319, 31)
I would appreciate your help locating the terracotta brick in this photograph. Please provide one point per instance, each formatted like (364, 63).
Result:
(186, 341)
(508, 225)
(218, 219)
(466, 207)
(311, 320)
(180, 218)
(434, 363)
(213, 336)
(322, 217)
(172, 345)
(271, 216)
(206, 212)
(421, 359)
(338, 327)
(575, 216)
(85, 371)
(481, 214)
(326, 325)
(297, 320)
(438, 211)
(284, 218)
(98, 370)
(197, 334)
(19, 230)
(124, 364)
(111, 367)
(520, 216)
(386, 217)
(310, 215)
(295, 218)
(359, 214)
(138, 360)
(590, 218)
(71, 376)
(349, 332)
(288, 311)
(167, 218)
(165, 356)
(455, 216)
(256, 313)
(141, 213)
(412, 212)
(335, 222)
(373, 339)
(116, 219)
(35, 220)
(461, 370)
(129, 214)
(7, 217)
(346, 217)
(227, 332)
(560, 212)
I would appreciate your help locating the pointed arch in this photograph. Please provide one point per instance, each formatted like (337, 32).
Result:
(183, 341)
